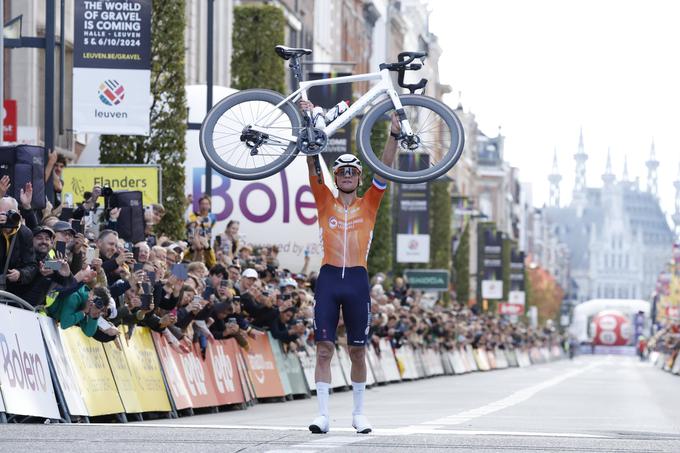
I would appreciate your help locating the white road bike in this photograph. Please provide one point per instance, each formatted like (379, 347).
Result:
(255, 133)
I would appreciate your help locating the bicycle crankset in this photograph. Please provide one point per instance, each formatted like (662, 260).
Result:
(312, 143)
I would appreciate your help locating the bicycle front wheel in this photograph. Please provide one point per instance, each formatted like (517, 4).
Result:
(436, 146)
(235, 151)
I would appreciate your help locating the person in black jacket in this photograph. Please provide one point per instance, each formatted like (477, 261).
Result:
(20, 260)
(46, 281)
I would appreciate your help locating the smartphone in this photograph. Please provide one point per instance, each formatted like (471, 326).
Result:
(135, 253)
(77, 226)
(146, 288)
(231, 321)
(52, 265)
(128, 247)
(306, 252)
(218, 241)
(224, 283)
(90, 254)
(60, 247)
(146, 299)
(198, 299)
(138, 267)
(180, 271)
(152, 276)
(66, 214)
(285, 297)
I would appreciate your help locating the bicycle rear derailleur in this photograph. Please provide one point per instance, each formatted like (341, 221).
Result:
(253, 139)
(312, 141)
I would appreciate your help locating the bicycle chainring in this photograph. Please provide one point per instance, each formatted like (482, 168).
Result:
(312, 145)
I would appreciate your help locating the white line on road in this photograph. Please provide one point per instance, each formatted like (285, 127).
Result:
(404, 431)
(518, 397)
(324, 443)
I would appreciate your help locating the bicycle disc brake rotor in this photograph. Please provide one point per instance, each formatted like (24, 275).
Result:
(411, 143)
(312, 145)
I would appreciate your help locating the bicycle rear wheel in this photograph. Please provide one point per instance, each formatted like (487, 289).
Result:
(233, 150)
(437, 145)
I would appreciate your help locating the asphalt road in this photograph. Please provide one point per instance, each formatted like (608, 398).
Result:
(601, 403)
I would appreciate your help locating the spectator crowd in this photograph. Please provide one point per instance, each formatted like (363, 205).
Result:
(72, 262)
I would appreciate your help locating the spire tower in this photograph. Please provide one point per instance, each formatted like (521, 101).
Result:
(652, 164)
(676, 214)
(554, 177)
(580, 172)
(608, 176)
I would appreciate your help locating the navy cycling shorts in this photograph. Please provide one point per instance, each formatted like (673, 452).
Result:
(349, 294)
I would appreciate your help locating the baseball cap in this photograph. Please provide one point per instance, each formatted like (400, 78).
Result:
(288, 282)
(43, 229)
(249, 273)
(61, 226)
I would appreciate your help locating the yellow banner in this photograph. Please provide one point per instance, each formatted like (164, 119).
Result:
(127, 389)
(92, 371)
(81, 179)
(146, 371)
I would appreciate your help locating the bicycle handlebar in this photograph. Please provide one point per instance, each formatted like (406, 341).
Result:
(406, 64)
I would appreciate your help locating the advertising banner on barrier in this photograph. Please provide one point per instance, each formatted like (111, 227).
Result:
(221, 360)
(63, 367)
(146, 371)
(92, 372)
(262, 368)
(280, 365)
(112, 67)
(25, 380)
(171, 367)
(192, 371)
(125, 383)
(79, 179)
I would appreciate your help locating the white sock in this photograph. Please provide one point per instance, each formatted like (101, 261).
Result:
(358, 389)
(322, 389)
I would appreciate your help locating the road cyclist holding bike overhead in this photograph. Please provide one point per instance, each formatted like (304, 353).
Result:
(346, 229)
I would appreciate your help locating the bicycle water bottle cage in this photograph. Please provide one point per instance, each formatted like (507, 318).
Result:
(406, 64)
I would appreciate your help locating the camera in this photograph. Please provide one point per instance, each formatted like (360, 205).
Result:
(99, 303)
(107, 191)
(13, 219)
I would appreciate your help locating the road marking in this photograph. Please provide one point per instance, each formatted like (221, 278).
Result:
(403, 431)
(516, 398)
(324, 443)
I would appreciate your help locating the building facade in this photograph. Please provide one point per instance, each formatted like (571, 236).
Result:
(617, 235)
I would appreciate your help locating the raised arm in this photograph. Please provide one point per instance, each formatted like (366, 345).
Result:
(390, 150)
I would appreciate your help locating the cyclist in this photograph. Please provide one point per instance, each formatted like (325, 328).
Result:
(346, 228)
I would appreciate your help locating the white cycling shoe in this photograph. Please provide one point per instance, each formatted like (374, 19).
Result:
(361, 424)
(319, 425)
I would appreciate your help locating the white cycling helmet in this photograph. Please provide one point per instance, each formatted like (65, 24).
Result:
(347, 160)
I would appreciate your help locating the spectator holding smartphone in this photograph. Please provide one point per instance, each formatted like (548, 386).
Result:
(17, 256)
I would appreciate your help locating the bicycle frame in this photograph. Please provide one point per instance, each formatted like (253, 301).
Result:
(384, 86)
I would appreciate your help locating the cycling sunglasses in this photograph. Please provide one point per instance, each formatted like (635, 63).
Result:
(347, 171)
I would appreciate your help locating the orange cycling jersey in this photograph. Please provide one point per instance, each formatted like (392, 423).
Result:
(346, 232)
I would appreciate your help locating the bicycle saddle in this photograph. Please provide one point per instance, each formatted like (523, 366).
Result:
(289, 52)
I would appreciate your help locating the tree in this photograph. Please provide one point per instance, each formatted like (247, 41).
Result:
(462, 267)
(166, 144)
(380, 256)
(546, 293)
(440, 225)
(254, 64)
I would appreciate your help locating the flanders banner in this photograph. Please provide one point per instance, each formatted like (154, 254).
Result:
(80, 179)
(112, 66)
(146, 371)
(93, 372)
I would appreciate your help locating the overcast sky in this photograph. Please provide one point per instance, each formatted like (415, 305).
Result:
(542, 69)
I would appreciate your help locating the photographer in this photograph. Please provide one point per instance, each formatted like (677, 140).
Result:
(82, 308)
(16, 250)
